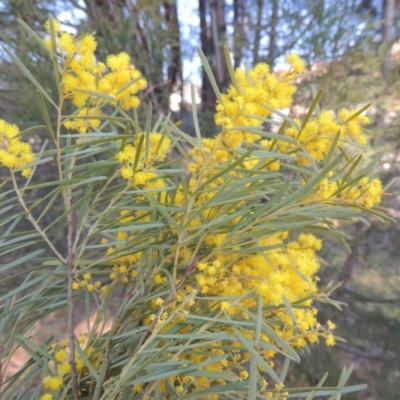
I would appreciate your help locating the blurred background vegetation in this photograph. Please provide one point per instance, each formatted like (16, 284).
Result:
(352, 46)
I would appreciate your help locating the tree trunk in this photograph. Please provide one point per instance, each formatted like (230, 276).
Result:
(257, 34)
(238, 34)
(175, 65)
(218, 29)
(207, 94)
(387, 35)
(272, 34)
(174, 70)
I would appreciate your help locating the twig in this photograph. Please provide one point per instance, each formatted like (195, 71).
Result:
(70, 257)
(360, 353)
(71, 333)
(33, 221)
(155, 86)
(370, 299)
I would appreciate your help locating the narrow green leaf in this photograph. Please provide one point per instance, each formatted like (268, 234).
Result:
(100, 380)
(252, 393)
(75, 206)
(289, 309)
(138, 146)
(88, 180)
(174, 371)
(148, 125)
(29, 76)
(57, 192)
(127, 85)
(45, 114)
(135, 227)
(162, 210)
(85, 205)
(345, 375)
(185, 136)
(268, 135)
(284, 370)
(227, 169)
(97, 95)
(257, 335)
(273, 335)
(34, 36)
(314, 93)
(352, 168)
(231, 71)
(310, 112)
(88, 364)
(285, 117)
(255, 354)
(20, 260)
(28, 131)
(3, 316)
(54, 49)
(356, 114)
(34, 351)
(319, 385)
(209, 73)
(332, 148)
(194, 114)
(305, 392)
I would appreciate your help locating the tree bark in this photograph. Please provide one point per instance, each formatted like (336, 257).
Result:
(257, 34)
(218, 30)
(207, 94)
(174, 69)
(387, 35)
(272, 34)
(238, 34)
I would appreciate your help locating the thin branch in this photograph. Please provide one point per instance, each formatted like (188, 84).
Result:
(370, 299)
(33, 221)
(360, 353)
(70, 257)
(71, 306)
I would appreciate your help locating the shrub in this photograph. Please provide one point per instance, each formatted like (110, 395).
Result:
(200, 255)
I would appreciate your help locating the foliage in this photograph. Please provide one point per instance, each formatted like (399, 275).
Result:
(203, 249)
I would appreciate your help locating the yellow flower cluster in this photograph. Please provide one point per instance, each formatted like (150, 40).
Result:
(47, 396)
(234, 284)
(13, 152)
(209, 153)
(244, 104)
(63, 367)
(117, 82)
(317, 135)
(274, 276)
(51, 384)
(287, 272)
(154, 149)
(271, 275)
(352, 126)
(365, 192)
(86, 283)
(138, 162)
(123, 270)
